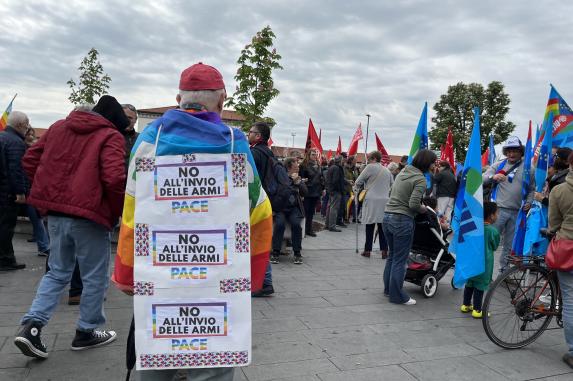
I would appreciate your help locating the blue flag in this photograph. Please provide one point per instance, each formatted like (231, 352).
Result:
(544, 154)
(421, 138)
(537, 218)
(467, 223)
(492, 155)
(517, 247)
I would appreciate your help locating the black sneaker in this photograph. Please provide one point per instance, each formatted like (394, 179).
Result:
(93, 339)
(44, 253)
(274, 259)
(12, 267)
(29, 341)
(298, 260)
(311, 234)
(265, 291)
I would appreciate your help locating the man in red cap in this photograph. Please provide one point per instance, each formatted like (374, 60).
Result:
(195, 127)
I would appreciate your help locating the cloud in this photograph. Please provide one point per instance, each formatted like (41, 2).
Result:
(341, 60)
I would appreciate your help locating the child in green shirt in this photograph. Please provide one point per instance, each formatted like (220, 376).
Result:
(476, 286)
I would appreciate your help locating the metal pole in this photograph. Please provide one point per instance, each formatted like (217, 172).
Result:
(356, 216)
(293, 134)
(367, 125)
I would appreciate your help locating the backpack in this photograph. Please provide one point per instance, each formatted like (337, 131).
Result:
(277, 184)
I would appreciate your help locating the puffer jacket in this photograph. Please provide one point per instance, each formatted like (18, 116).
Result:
(77, 168)
(13, 181)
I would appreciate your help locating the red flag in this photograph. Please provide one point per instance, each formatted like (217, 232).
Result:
(385, 157)
(353, 149)
(442, 152)
(312, 140)
(339, 147)
(329, 155)
(270, 142)
(485, 157)
(449, 151)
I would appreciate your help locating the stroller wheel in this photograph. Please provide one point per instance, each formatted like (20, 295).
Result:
(429, 285)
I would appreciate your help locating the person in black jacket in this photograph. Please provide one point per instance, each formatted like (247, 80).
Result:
(311, 171)
(293, 214)
(446, 188)
(258, 137)
(14, 185)
(335, 184)
(561, 169)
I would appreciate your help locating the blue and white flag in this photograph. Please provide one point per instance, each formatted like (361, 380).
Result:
(492, 156)
(517, 247)
(467, 223)
(537, 217)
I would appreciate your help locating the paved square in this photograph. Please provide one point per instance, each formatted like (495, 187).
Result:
(327, 321)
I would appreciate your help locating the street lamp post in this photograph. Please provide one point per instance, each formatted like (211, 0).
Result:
(293, 134)
(367, 125)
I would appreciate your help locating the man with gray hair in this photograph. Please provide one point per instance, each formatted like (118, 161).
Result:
(14, 185)
(195, 128)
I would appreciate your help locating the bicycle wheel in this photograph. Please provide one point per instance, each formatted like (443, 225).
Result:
(513, 315)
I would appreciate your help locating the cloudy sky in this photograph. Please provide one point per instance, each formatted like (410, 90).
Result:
(341, 59)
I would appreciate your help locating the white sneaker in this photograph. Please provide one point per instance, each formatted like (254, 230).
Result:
(410, 302)
(545, 299)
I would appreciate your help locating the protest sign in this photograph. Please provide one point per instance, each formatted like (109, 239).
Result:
(192, 301)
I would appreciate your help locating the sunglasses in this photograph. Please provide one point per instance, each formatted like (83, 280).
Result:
(130, 107)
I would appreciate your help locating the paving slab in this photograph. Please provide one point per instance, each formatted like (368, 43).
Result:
(328, 320)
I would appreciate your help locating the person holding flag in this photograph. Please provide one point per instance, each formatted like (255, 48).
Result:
(468, 222)
(506, 178)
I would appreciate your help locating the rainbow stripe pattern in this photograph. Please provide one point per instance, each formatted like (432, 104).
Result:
(184, 132)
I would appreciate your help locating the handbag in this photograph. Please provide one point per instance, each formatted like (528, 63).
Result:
(560, 255)
(362, 194)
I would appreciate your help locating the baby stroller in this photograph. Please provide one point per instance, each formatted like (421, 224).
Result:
(429, 258)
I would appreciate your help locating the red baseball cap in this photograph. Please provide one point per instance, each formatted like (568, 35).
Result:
(201, 77)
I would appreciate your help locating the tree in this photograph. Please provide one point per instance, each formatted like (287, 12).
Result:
(93, 82)
(255, 85)
(455, 111)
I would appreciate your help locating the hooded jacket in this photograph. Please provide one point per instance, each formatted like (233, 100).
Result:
(77, 169)
(407, 192)
(561, 209)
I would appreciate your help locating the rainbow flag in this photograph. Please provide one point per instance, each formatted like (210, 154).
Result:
(560, 116)
(421, 137)
(467, 223)
(184, 132)
(4, 118)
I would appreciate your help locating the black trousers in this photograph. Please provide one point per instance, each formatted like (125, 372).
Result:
(8, 219)
(370, 237)
(477, 296)
(309, 208)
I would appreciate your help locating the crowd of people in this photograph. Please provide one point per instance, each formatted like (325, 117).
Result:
(76, 176)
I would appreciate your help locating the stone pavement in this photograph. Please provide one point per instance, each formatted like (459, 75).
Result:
(327, 321)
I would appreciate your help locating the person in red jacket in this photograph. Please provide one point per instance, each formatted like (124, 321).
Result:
(78, 173)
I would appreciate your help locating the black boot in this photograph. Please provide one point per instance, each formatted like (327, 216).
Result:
(29, 341)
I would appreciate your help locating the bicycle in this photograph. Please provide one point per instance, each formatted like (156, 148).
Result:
(521, 303)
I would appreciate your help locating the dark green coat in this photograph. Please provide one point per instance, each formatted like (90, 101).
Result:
(492, 238)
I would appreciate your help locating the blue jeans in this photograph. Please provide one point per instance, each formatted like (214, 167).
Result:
(89, 242)
(505, 225)
(399, 232)
(566, 284)
(40, 233)
(206, 374)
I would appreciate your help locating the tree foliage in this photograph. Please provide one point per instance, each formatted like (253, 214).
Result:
(93, 82)
(455, 110)
(255, 85)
